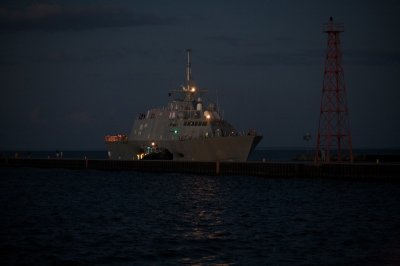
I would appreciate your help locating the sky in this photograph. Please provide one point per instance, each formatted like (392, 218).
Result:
(72, 72)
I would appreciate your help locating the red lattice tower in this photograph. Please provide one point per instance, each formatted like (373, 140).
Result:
(334, 137)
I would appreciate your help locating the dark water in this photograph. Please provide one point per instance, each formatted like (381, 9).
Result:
(66, 217)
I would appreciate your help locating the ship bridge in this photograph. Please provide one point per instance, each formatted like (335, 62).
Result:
(187, 128)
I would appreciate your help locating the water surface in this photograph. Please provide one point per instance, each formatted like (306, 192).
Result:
(80, 217)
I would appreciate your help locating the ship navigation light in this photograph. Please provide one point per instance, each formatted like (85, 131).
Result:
(207, 115)
(175, 131)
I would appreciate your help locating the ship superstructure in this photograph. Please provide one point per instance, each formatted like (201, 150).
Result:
(188, 128)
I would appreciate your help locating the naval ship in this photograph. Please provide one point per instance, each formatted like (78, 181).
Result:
(187, 129)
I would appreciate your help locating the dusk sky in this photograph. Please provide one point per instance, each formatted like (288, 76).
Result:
(72, 72)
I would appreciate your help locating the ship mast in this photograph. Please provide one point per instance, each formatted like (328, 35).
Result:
(189, 88)
(188, 70)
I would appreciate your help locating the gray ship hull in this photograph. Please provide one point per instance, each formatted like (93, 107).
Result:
(188, 128)
(229, 148)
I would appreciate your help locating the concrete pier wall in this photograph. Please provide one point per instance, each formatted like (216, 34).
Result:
(267, 169)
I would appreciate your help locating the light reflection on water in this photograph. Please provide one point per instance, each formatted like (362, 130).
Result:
(203, 203)
(91, 217)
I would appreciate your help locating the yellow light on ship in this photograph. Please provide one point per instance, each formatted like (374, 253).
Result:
(153, 143)
(208, 116)
(193, 89)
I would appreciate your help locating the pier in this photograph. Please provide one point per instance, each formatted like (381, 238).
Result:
(265, 169)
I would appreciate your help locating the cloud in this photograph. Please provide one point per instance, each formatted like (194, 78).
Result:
(371, 57)
(239, 41)
(55, 17)
(80, 117)
(35, 116)
(258, 52)
(308, 57)
(276, 58)
(225, 39)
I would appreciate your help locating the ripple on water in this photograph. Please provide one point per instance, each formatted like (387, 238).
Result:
(91, 217)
